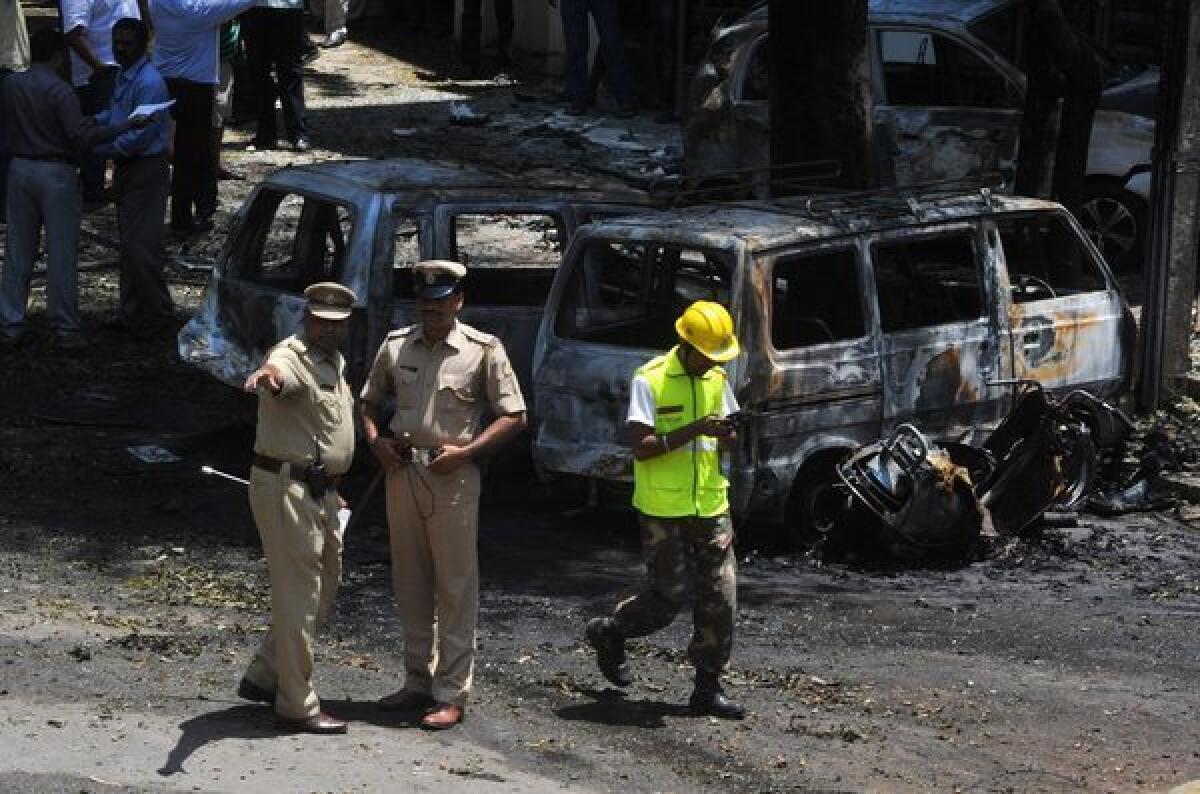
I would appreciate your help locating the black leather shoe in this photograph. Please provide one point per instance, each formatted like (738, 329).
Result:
(715, 704)
(248, 690)
(318, 723)
(708, 700)
(301, 144)
(610, 651)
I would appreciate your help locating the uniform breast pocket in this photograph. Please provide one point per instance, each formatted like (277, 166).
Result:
(458, 393)
(329, 403)
(330, 408)
(406, 388)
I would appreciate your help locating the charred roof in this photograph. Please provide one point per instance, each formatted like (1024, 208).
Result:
(404, 174)
(762, 224)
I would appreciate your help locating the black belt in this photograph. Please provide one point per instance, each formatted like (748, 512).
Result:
(296, 470)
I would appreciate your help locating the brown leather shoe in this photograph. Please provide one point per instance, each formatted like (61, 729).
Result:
(317, 723)
(443, 716)
(405, 700)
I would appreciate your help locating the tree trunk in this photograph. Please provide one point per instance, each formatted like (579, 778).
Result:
(820, 89)
(1061, 65)
(1175, 207)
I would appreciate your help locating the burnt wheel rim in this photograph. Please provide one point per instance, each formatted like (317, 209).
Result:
(1111, 225)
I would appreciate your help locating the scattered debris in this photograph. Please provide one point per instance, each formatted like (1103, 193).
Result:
(931, 498)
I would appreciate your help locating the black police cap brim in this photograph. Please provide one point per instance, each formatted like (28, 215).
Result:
(436, 291)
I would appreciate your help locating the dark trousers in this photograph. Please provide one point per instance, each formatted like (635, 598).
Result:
(142, 185)
(612, 49)
(194, 177)
(94, 97)
(273, 38)
(472, 28)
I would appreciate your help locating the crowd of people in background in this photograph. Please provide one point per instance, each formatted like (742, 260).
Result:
(68, 99)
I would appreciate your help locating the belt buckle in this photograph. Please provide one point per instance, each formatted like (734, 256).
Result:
(423, 456)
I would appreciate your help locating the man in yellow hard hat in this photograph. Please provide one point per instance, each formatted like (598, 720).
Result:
(680, 405)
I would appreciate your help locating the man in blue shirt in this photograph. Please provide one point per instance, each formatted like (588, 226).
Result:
(142, 180)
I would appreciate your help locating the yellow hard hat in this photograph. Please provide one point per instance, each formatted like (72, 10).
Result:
(707, 327)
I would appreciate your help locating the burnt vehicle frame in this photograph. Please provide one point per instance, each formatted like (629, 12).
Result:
(845, 313)
(968, 125)
(364, 224)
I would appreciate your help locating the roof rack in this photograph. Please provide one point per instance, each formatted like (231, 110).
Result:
(910, 201)
(802, 173)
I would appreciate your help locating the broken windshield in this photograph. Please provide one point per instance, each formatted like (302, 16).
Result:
(630, 293)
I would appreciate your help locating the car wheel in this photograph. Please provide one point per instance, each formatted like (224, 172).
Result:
(1115, 220)
(818, 500)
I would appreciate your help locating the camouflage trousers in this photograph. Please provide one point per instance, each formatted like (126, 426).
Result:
(680, 552)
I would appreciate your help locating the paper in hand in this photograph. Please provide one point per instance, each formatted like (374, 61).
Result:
(150, 110)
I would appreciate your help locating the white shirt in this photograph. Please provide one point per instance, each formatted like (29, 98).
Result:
(642, 408)
(97, 18)
(186, 36)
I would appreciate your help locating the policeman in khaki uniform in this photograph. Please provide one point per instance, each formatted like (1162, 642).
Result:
(442, 375)
(679, 404)
(304, 443)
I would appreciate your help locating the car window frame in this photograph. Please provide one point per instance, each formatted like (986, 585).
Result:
(973, 229)
(1009, 72)
(866, 289)
(237, 261)
(1110, 283)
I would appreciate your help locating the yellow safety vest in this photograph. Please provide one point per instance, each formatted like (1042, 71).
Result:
(685, 481)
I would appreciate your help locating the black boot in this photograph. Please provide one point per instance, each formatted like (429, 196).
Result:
(610, 650)
(708, 699)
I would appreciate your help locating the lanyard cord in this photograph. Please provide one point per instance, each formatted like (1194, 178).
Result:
(410, 472)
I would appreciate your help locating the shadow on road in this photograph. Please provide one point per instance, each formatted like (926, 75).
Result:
(235, 722)
(258, 722)
(611, 707)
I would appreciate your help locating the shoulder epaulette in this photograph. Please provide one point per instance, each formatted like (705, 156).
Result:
(475, 335)
(399, 332)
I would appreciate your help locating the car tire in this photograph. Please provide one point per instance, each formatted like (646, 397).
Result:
(1115, 220)
(816, 502)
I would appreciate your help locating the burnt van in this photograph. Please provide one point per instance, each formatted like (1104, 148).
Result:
(854, 314)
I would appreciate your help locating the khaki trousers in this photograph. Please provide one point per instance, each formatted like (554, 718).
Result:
(434, 523)
(303, 544)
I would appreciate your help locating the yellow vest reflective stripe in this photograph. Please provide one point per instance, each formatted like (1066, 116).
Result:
(686, 481)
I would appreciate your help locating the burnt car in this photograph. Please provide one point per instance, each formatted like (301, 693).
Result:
(364, 224)
(855, 314)
(947, 100)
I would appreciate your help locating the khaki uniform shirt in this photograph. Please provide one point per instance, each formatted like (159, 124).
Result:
(315, 402)
(441, 389)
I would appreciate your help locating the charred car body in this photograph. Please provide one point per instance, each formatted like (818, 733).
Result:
(947, 104)
(855, 314)
(364, 224)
